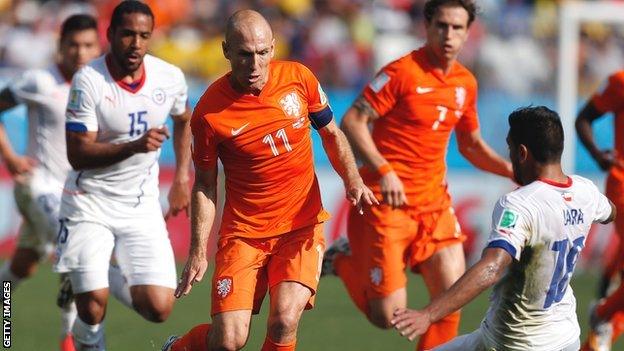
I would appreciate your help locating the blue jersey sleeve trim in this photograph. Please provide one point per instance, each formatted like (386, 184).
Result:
(321, 118)
(502, 244)
(75, 127)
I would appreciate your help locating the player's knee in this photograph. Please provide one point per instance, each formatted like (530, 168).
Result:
(380, 319)
(283, 326)
(228, 341)
(91, 307)
(154, 311)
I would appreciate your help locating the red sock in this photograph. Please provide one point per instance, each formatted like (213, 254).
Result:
(195, 340)
(440, 332)
(270, 345)
(612, 304)
(346, 271)
(618, 325)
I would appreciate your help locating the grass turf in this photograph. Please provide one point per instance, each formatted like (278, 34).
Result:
(334, 324)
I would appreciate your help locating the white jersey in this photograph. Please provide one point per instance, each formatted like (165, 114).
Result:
(544, 227)
(121, 113)
(45, 94)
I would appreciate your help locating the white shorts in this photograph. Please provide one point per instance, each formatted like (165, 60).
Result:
(476, 342)
(38, 200)
(93, 227)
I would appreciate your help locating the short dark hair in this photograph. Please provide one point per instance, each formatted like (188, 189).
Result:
(127, 7)
(432, 6)
(77, 23)
(540, 130)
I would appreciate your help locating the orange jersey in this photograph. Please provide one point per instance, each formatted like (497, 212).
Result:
(265, 147)
(611, 99)
(418, 109)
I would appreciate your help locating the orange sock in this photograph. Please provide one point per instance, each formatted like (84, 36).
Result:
(194, 340)
(440, 332)
(270, 345)
(346, 271)
(612, 304)
(618, 325)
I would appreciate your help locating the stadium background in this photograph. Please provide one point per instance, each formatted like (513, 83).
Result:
(512, 50)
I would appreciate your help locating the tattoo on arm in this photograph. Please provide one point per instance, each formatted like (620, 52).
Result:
(364, 107)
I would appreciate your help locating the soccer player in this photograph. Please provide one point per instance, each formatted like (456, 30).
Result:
(413, 104)
(606, 323)
(116, 113)
(39, 175)
(256, 120)
(538, 231)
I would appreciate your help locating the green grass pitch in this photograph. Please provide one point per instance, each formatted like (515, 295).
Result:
(334, 324)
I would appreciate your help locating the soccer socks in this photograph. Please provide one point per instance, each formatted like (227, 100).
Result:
(68, 317)
(7, 275)
(440, 332)
(195, 340)
(612, 304)
(343, 265)
(118, 286)
(88, 337)
(270, 345)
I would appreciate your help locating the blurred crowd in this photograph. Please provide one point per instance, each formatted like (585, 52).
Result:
(512, 45)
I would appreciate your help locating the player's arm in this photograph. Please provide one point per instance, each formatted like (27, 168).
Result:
(341, 157)
(481, 276)
(584, 120)
(472, 146)
(179, 195)
(15, 163)
(355, 126)
(85, 152)
(203, 211)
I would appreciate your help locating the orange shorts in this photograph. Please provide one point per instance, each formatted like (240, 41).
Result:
(384, 242)
(246, 268)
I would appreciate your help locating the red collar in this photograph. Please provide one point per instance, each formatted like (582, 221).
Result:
(131, 87)
(567, 184)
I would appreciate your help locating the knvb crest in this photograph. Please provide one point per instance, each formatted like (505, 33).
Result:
(224, 286)
(291, 105)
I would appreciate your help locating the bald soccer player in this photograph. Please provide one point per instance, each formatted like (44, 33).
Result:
(256, 120)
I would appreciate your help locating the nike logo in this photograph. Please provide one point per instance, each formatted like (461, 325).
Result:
(421, 90)
(237, 131)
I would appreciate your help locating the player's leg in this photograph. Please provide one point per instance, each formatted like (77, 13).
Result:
(84, 251)
(441, 270)
(293, 271)
(239, 283)
(146, 261)
(374, 273)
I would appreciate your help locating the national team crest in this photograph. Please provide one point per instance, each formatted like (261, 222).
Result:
(224, 286)
(376, 275)
(291, 105)
(159, 96)
(460, 97)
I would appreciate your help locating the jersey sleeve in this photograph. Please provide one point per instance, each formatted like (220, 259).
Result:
(603, 207)
(510, 228)
(383, 92)
(181, 94)
(26, 88)
(317, 99)
(469, 121)
(81, 106)
(204, 146)
(610, 96)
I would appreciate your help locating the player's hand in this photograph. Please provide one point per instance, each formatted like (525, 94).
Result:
(179, 198)
(392, 190)
(607, 159)
(193, 272)
(410, 323)
(152, 140)
(20, 165)
(359, 194)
